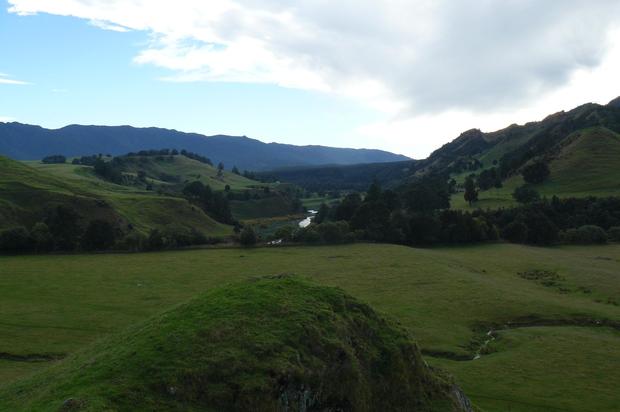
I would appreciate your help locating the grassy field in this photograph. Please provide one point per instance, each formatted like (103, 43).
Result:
(28, 189)
(549, 352)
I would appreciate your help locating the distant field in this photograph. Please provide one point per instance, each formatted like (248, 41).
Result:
(315, 202)
(556, 357)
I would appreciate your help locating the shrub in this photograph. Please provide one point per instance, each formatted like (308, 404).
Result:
(333, 232)
(42, 237)
(614, 233)
(155, 240)
(536, 172)
(285, 233)
(308, 235)
(54, 159)
(133, 241)
(248, 236)
(99, 235)
(525, 194)
(515, 232)
(16, 239)
(587, 234)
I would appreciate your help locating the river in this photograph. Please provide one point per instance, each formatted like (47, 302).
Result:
(306, 222)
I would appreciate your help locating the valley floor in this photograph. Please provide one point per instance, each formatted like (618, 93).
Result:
(545, 321)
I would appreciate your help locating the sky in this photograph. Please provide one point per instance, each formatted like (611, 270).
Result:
(401, 75)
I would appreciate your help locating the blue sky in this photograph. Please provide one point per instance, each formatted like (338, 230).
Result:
(78, 73)
(396, 75)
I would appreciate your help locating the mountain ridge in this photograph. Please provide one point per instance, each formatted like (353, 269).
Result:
(30, 142)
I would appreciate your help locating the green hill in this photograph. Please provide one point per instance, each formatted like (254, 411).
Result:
(28, 193)
(262, 345)
(584, 163)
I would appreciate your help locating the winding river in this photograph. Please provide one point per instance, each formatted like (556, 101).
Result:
(306, 222)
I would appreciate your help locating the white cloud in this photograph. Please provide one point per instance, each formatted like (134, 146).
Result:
(6, 79)
(431, 66)
(107, 26)
(6, 119)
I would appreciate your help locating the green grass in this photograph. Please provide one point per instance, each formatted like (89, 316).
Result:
(267, 207)
(587, 165)
(446, 297)
(315, 202)
(251, 343)
(29, 189)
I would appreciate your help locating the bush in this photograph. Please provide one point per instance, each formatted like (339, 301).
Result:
(155, 241)
(248, 236)
(614, 233)
(99, 235)
(54, 159)
(42, 237)
(515, 232)
(585, 235)
(133, 241)
(285, 233)
(525, 194)
(307, 235)
(333, 232)
(16, 239)
(536, 172)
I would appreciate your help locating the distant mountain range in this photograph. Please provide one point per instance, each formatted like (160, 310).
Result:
(27, 142)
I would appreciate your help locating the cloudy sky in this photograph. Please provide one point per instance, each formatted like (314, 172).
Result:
(401, 75)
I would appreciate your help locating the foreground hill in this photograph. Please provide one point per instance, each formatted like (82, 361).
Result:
(262, 345)
(551, 311)
(26, 142)
(28, 194)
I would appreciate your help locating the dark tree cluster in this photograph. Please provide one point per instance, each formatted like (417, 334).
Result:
(536, 172)
(110, 171)
(214, 204)
(54, 159)
(489, 178)
(61, 230)
(170, 152)
(86, 160)
(197, 157)
(419, 214)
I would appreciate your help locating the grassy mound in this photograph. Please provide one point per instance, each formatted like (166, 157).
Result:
(263, 345)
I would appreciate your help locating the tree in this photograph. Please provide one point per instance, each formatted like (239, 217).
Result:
(540, 229)
(63, 223)
(428, 194)
(42, 237)
(16, 239)
(525, 194)
(471, 194)
(536, 172)
(99, 235)
(248, 236)
(322, 214)
(54, 159)
(235, 170)
(155, 241)
(220, 169)
(515, 232)
(348, 206)
(374, 192)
